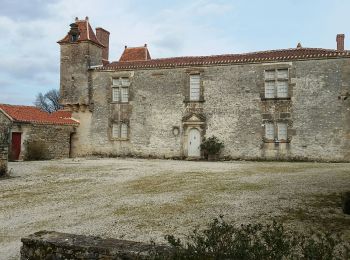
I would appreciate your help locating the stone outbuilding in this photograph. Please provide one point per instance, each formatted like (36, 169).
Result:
(31, 129)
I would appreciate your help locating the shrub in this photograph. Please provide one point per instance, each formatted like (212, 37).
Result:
(221, 240)
(36, 150)
(212, 145)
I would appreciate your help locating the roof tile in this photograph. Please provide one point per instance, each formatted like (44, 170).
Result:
(272, 55)
(31, 114)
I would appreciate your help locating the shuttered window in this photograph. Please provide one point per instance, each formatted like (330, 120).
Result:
(115, 131)
(276, 83)
(282, 131)
(194, 87)
(124, 131)
(269, 131)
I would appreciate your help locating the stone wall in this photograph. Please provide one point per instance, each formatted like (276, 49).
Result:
(54, 245)
(55, 139)
(232, 108)
(3, 160)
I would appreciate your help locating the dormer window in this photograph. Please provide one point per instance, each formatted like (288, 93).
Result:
(74, 32)
(74, 37)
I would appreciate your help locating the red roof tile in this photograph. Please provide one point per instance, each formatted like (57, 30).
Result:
(135, 54)
(86, 33)
(253, 57)
(30, 114)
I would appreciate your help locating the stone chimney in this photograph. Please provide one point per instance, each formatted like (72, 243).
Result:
(103, 36)
(340, 42)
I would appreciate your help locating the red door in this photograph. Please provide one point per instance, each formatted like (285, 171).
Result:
(16, 145)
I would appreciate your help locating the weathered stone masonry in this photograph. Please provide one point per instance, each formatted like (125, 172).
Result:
(55, 245)
(232, 106)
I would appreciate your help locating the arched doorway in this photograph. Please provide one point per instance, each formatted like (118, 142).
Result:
(194, 142)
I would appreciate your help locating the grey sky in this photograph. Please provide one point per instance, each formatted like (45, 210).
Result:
(29, 31)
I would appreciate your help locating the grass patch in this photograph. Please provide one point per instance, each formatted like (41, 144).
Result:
(321, 211)
(200, 182)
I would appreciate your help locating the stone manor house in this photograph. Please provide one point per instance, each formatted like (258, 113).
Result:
(285, 104)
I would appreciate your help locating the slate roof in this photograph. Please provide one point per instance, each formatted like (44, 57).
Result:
(31, 114)
(135, 54)
(298, 53)
(86, 33)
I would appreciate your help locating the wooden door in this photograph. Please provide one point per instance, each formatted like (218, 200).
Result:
(16, 145)
(194, 142)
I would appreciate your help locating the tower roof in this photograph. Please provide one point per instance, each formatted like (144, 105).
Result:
(86, 33)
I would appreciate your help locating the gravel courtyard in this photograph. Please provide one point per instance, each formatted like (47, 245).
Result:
(144, 200)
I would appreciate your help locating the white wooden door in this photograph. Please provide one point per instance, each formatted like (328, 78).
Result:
(194, 141)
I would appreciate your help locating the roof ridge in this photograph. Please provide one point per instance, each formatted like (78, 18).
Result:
(237, 54)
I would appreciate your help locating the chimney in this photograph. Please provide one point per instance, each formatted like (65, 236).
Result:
(103, 36)
(340, 42)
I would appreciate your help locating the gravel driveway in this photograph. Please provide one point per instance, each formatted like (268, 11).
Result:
(146, 199)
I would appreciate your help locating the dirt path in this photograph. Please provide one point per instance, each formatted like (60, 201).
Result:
(146, 199)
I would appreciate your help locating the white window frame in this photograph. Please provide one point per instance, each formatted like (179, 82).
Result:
(195, 87)
(276, 83)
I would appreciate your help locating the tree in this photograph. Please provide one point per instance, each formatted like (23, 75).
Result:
(49, 101)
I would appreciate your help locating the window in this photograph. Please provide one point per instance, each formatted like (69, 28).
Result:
(195, 87)
(282, 131)
(276, 83)
(120, 131)
(124, 131)
(115, 131)
(120, 90)
(269, 131)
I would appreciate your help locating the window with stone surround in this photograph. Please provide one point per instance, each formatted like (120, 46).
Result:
(195, 87)
(270, 131)
(282, 131)
(276, 83)
(120, 90)
(120, 131)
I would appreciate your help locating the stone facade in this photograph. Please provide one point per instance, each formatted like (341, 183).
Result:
(232, 106)
(3, 160)
(55, 245)
(54, 139)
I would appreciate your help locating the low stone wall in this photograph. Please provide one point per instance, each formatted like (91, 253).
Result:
(3, 160)
(55, 245)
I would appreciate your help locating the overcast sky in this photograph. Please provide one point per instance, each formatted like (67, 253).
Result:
(29, 29)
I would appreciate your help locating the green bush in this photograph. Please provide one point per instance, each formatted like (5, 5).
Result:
(221, 240)
(212, 145)
(36, 150)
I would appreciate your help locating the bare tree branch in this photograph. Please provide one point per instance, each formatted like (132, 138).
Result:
(48, 102)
